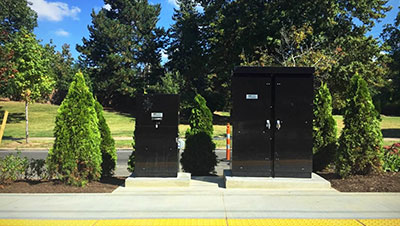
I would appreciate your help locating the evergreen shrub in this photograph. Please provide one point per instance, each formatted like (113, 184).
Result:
(324, 130)
(199, 156)
(107, 145)
(360, 143)
(76, 157)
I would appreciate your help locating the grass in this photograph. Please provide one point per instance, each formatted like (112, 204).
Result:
(42, 118)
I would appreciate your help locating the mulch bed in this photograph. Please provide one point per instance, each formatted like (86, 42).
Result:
(376, 182)
(106, 185)
(383, 182)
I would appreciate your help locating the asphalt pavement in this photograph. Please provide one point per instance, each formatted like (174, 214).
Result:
(122, 158)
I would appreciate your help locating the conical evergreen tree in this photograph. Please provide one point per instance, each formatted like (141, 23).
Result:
(361, 139)
(201, 118)
(76, 157)
(107, 145)
(324, 129)
(199, 157)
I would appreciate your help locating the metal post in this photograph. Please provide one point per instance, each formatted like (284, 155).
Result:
(228, 142)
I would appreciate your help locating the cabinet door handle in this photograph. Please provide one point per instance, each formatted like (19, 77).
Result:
(278, 124)
(268, 124)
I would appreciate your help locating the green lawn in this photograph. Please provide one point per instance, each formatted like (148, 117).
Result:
(42, 117)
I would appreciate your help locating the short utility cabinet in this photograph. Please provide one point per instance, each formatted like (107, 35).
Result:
(272, 121)
(156, 133)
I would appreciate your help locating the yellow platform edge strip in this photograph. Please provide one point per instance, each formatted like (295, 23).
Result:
(204, 222)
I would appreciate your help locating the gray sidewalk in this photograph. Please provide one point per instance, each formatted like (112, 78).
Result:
(205, 198)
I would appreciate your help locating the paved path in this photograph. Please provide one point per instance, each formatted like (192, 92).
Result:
(201, 200)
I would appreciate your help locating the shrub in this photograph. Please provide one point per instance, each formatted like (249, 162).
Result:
(199, 157)
(36, 170)
(391, 158)
(107, 145)
(324, 129)
(201, 118)
(76, 157)
(12, 168)
(361, 140)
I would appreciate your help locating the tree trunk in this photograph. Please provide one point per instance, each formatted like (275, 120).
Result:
(26, 122)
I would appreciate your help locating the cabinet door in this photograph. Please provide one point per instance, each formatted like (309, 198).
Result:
(251, 153)
(293, 126)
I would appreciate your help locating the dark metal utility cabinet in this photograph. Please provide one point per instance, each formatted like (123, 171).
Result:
(272, 121)
(156, 134)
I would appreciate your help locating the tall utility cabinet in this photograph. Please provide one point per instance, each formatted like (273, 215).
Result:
(272, 121)
(156, 133)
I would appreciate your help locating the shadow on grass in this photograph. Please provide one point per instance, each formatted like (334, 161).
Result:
(12, 117)
(220, 120)
(17, 139)
(391, 133)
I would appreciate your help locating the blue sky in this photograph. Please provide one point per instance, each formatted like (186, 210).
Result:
(66, 21)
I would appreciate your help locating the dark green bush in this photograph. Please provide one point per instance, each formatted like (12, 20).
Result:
(12, 168)
(201, 118)
(360, 143)
(107, 145)
(324, 130)
(76, 157)
(391, 158)
(199, 157)
(36, 170)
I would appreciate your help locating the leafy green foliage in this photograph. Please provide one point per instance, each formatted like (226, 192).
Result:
(30, 80)
(171, 83)
(63, 71)
(324, 129)
(201, 119)
(123, 52)
(360, 143)
(390, 97)
(391, 158)
(199, 157)
(107, 145)
(187, 55)
(12, 167)
(37, 169)
(15, 15)
(76, 156)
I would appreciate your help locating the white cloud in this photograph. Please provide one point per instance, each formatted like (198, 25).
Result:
(107, 6)
(62, 32)
(54, 11)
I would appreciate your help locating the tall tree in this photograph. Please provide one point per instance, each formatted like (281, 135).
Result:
(186, 54)
(123, 52)
(64, 69)
(390, 93)
(14, 15)
(240, 27)
(30, 80)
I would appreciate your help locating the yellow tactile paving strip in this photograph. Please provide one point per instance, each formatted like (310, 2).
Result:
(206, 222)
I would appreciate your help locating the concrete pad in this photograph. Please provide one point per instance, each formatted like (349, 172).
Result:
(182, 180)
(314, 183)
